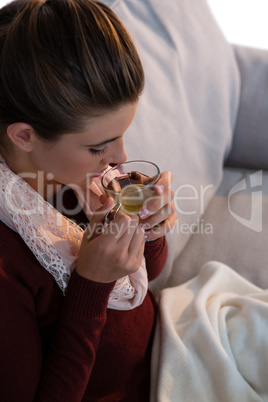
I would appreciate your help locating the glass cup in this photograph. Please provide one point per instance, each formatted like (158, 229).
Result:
(131, 185)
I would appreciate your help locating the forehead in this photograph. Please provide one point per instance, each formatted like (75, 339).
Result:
(108, 125)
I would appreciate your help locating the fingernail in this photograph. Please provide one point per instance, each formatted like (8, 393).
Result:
(160, 188)
(103, 198)
(144, 226)
(143, 213)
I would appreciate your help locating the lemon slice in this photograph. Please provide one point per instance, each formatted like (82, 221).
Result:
(132, 198)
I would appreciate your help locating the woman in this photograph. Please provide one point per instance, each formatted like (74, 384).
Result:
(77, 320)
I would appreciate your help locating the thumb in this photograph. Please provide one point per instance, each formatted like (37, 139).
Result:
(96, 224)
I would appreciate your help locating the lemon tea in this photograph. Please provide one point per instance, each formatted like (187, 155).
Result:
(131, 184)
(131, 190)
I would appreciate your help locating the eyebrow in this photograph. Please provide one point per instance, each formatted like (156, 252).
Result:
(103, 143)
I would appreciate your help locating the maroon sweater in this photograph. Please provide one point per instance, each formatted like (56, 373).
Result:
(70, 348)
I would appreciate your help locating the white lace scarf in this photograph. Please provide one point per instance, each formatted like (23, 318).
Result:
(55, 240)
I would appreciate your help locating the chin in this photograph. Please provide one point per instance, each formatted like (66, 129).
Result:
(93, 175)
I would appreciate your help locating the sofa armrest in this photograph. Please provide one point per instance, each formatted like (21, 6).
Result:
(250, 141)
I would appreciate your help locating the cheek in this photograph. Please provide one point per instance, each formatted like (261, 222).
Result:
(68, 162)
(76, 163)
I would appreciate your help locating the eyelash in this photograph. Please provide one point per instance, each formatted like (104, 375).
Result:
(98, 151)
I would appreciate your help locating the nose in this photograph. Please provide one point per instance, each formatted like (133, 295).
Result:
(122, 158)
(117, 153)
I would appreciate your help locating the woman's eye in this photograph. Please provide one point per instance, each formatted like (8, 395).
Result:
(98, 151)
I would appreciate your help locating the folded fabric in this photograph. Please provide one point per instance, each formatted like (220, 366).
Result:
(211, 340)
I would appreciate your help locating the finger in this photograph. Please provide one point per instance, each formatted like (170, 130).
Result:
(140, 254)
(95, 226)
(103, 198)
(163, 214)
(161, 229)
(156, 203)
(163, 182)
(123, 226)
(137, 241)
(135, 250)
(125, 238)
(100, 213)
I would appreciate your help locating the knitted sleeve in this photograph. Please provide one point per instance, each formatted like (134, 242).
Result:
(48, 342)
(155, 255)
(68, 366)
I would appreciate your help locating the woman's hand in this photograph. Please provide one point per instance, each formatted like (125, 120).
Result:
(110, 254)
(158, 215)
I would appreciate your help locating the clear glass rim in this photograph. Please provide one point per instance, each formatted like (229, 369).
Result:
(126, 163)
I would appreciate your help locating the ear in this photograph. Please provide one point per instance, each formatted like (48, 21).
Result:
(22, 135)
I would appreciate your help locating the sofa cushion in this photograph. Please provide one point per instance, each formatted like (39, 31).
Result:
(250, 142)
(188, 110)
(233, 230)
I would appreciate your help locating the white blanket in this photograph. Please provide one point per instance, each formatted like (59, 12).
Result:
(211, 341)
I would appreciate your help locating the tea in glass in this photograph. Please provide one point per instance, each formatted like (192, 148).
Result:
(131, 184)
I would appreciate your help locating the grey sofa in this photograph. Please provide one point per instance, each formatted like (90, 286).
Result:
(204, 116)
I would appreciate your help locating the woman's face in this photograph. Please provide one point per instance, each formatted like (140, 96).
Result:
(76, 156)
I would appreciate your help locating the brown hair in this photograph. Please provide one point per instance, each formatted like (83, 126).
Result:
(62, 61)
